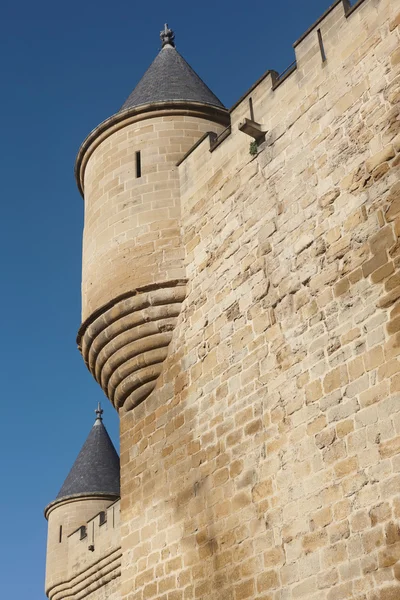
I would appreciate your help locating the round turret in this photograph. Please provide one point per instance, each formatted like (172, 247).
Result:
(133, 277)
(91, 486)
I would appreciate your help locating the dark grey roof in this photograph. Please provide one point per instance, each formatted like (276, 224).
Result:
(96, 469)
(169, 77)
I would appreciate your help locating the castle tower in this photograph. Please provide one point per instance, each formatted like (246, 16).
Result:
(133, 280)
(91, 486)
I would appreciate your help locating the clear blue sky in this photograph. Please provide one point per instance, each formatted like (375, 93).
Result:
(64, 69)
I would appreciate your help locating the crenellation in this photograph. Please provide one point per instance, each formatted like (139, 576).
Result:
(96, 529)
(98, 555)
(336, 27)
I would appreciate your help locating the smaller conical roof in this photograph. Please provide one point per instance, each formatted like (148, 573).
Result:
(170, 78)
(96, 469)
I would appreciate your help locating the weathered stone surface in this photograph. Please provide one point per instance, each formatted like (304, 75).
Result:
(329, 198)
(303, 242)
(394, 203)
(380, 157)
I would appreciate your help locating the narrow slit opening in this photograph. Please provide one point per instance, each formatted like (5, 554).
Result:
(321, 45)
(60, 535)
(251, 109)
(138, 165)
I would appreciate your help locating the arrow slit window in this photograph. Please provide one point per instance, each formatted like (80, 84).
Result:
(138, 165)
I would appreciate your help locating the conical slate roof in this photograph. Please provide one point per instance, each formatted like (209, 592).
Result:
(168, 78)
(96, 469)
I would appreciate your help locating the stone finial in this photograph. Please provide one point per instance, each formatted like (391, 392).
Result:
(167, 37)
(99, 411)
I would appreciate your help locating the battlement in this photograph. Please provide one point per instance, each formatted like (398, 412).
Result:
(340, 33)
(93, 556)
(97, 532)
(348, 6)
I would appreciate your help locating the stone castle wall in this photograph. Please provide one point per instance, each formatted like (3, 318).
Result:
(265, 464)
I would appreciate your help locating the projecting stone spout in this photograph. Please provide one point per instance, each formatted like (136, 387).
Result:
(125, 345)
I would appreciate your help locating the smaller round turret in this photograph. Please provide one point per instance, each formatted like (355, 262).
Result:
(91, 486)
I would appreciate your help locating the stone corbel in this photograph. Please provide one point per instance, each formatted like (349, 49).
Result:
(253, 129)
(125, 344)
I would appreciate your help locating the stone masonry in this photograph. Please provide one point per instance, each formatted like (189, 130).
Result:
(74, 571)
(266, 462)
(262, 459)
